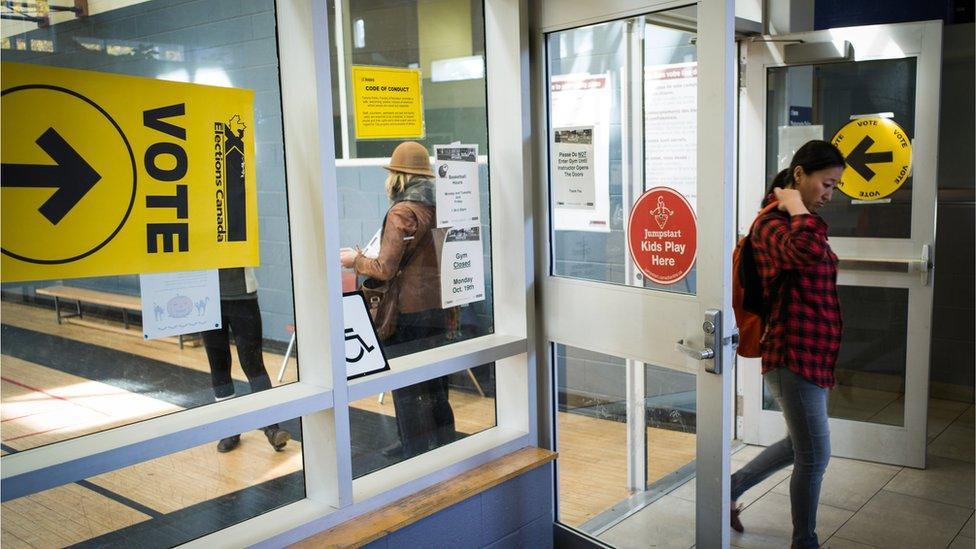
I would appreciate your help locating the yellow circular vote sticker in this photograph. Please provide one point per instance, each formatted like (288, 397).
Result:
(878, 154)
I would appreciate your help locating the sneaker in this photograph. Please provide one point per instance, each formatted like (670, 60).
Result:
(228, 444)
(277, 437)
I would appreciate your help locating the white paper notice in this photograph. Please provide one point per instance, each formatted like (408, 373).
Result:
(179, 303)
(583, 101)
(792, 138)
(458, 197)
(462, 267)
(364, 355)
(573, 183)
(671, 128)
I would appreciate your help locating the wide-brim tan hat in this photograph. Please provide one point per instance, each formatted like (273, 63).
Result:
(410, 157)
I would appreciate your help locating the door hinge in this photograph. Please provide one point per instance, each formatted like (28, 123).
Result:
(739, 406)
(742, 73)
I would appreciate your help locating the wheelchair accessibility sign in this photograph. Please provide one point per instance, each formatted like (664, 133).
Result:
(364, 354)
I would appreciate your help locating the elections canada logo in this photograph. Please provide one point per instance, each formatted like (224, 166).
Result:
(230, 195)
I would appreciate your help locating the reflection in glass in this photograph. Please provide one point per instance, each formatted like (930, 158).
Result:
(870, 370)
(420, 418)
(162, 502)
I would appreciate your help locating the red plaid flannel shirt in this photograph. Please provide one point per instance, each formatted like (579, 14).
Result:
(805, 336)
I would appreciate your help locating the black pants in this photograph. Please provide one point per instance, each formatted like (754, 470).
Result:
(424, 416)
(243, 317)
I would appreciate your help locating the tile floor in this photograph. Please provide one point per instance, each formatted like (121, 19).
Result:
(862, 504)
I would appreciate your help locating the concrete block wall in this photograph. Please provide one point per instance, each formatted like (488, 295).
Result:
(516, 513)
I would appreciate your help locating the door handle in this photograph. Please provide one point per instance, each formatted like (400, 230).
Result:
(714, 342)
(697, 354)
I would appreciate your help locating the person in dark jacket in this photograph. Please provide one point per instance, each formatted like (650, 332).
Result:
(241, 315)
(802, 339)
(424, 416)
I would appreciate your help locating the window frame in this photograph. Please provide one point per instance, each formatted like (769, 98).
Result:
(321, 396)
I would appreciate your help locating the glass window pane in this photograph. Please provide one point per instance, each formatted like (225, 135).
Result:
(823, 98)
(595, 494)
(870, 369)
(78, 361)
(162, 502)
(588, 77)
(439, 223)
(387, 429)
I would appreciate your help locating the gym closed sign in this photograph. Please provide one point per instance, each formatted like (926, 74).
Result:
(105, 174)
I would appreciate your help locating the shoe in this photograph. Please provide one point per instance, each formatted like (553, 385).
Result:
(277, 437)
(394, 450)
(734, 521)
(227, 444)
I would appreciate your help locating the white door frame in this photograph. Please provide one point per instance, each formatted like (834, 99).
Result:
(901, 445)
(640, 315)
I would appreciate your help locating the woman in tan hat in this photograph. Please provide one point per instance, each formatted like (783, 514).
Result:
(407, 253)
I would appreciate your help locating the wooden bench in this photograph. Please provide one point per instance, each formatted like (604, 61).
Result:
(127, 303)
(399, 514)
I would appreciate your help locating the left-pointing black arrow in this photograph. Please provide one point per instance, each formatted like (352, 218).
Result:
(71, 175)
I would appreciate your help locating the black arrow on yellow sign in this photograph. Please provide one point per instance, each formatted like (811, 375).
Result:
(859, 158)
(71, 175)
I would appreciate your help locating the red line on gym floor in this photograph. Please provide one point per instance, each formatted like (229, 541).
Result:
(23, 416)
(38, 432)
(43, 392)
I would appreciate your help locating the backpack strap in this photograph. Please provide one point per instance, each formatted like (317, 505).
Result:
(780, 282)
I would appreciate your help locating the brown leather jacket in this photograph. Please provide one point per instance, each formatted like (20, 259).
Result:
(408, 230)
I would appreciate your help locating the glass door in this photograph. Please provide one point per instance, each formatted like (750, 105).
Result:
(874, 92)
(636, 228)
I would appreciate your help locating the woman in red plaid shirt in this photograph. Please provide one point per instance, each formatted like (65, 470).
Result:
(799, 348)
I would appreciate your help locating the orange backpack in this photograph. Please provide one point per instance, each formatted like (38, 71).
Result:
(747, 293)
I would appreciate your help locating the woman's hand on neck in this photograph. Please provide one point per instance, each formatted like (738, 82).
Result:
(790, 201)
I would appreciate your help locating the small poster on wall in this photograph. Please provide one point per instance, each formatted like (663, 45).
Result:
(573, 181)
(583, 101)
(456, 181)
(671, 128)
(387, 102)
(179, 303)
(462, 267)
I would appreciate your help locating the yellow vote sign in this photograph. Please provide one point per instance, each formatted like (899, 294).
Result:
(878, 154)
(387, 103)
(105, 174)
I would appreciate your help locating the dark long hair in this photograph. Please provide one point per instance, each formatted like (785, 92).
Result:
(812, 156)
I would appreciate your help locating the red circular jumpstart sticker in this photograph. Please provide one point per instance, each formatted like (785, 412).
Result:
(662, 235)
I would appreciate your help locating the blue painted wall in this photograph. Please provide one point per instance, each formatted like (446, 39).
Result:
(848, 13)
(516, 513)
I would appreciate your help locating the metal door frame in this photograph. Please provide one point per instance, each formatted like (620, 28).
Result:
(900, 445)
(637, 311)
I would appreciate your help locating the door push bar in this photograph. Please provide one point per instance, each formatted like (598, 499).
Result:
(714, 342)
(922, 266)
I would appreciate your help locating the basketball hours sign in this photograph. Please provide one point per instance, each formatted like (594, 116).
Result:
(662, 235)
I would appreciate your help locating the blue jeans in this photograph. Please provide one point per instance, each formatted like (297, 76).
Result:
(806, 446)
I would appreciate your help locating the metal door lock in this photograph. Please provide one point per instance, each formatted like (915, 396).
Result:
(709, 327)
(713, 342)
